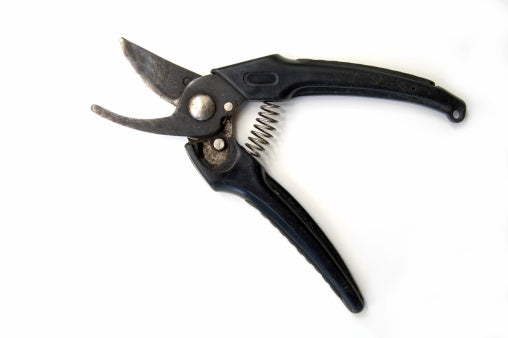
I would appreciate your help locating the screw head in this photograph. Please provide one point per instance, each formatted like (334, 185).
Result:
(228, 106)
(201, 107)
(219, 144)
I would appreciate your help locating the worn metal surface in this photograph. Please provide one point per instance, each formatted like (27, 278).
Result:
(163, 77)
(213, 156)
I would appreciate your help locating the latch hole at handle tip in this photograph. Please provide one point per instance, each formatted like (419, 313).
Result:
(457, 115)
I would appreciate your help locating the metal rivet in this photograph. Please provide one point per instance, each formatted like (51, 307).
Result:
(201, 107)
(228, 106)
(219, 144)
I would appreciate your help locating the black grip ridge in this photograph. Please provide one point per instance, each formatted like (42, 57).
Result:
(243, 175)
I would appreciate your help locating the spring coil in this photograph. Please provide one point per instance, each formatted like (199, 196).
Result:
(263, 129)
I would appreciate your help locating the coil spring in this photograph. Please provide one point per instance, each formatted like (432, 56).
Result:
(263, 129)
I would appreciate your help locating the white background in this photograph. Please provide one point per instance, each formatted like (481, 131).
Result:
(110, 232)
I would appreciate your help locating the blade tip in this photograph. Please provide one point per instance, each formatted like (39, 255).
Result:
(124, 43)
(98, 109)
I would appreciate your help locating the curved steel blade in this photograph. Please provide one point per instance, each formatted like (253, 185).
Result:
(163, 77)
(164, 125)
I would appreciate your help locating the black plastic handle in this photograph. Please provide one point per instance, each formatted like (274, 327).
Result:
(243, 175)
(275, 78)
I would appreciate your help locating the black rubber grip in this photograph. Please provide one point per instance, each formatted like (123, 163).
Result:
(244, 176)
(275, 78)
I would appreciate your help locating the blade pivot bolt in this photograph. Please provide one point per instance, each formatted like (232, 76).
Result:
(201, 107)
